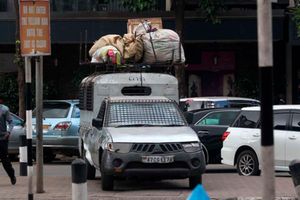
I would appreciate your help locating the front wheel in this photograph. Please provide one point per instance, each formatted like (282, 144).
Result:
(194, 181)
(247, 164)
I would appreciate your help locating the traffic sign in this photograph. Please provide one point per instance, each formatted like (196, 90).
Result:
(35, 27)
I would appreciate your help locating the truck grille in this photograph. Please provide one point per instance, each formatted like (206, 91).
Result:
(157, 148)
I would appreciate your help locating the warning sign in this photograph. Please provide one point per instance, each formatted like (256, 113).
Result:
(35, 27)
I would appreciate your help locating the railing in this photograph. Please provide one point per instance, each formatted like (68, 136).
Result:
(60, 6)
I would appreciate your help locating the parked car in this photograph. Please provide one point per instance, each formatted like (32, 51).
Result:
(242, 147)
(210, 124)
(14, 140)
(194, 103)
(60, 128)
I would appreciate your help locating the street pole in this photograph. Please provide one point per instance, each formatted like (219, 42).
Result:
(39, 123)
(29, 125)
(265, 59)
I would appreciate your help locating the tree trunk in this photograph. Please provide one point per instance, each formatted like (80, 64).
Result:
(20, 63)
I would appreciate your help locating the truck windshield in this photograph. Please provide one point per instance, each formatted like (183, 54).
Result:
(144, 114)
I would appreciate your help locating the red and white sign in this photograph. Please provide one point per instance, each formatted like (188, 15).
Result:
(35, 27)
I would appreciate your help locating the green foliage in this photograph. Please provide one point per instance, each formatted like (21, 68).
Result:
(211, 9)
(19, 60)
(296, 16)
(246, 87)
(138, 5)
(9, 91)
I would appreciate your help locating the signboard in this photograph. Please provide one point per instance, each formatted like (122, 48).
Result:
(35, 27)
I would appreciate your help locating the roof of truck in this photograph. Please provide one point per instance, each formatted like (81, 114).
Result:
(139, 99)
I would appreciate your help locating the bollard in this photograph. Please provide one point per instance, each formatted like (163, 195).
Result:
(79, 176)
(23, 155)
(295, 172)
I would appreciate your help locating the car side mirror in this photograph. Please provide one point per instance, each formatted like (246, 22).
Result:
(97, 122)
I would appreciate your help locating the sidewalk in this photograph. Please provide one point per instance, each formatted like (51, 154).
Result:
(58, 186)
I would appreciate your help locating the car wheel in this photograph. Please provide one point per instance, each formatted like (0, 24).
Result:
(91, 170)
(247, 163)
(107, 182)
(194, 181)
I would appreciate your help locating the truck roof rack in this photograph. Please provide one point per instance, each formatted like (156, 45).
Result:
(159, 67)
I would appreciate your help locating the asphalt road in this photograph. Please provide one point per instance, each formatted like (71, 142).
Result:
(219, 181)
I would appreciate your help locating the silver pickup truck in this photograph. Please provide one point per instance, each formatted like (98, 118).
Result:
(141, 137)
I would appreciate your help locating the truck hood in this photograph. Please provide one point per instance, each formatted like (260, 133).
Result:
(152, 134)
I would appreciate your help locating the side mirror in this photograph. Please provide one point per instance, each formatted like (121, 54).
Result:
(96, 122)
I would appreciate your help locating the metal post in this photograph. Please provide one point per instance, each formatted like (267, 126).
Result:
(295, 172)
(79, 176)
(23, 155)
(29, 125)
(265, 58)
(39, 123)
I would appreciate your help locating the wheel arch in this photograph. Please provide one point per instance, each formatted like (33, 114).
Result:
(241, 149)
(205, 154)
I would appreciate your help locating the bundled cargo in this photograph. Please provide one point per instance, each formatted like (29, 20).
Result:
(146, 44)
(112, 40)
(133, 48)
(107, 54)
(160, 45)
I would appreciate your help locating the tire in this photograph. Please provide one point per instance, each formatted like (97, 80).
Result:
(107, 182)
(91, 170)
(247, 164)
(194, 181)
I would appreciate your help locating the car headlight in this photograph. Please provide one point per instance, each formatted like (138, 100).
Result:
(118, 147)
(191, 147)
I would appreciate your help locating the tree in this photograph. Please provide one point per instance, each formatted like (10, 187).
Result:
(295, 11)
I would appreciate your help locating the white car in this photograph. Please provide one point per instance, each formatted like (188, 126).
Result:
(242, 141)
(195, 103)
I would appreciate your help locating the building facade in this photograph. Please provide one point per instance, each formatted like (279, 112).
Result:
(221, 58)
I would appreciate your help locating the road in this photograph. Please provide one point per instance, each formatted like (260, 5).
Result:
(219, 181)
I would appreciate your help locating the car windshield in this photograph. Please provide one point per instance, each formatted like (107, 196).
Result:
(55, 110)
(144, 114)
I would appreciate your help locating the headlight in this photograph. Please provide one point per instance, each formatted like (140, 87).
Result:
(118, 147)
(191, 147)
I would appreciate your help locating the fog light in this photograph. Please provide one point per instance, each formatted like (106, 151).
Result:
(117, 162)
(195, 162)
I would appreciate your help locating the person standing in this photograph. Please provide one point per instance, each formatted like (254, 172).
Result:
(5, 119)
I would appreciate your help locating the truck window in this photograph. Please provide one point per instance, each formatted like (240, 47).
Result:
(136, 91)
(156, 113)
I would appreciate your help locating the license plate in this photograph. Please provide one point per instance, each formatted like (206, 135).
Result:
(157, 159)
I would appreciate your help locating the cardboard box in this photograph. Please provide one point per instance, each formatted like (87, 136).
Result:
(132, 23)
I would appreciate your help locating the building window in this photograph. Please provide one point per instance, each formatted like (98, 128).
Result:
(3, 5)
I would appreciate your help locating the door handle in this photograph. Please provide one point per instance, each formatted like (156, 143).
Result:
(256, 135)
(205, 132)
(292, 137)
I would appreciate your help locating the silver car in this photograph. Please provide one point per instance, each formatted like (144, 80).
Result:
(60, 128)
(14, 140)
